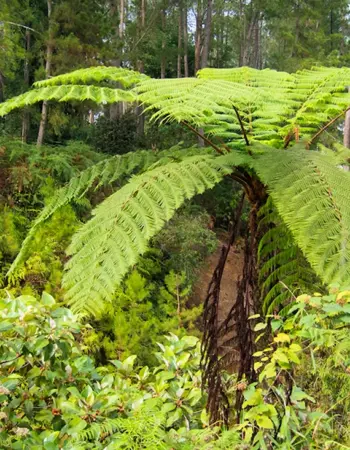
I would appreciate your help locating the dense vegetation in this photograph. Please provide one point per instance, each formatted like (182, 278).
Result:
(53, 395)
(162, 224)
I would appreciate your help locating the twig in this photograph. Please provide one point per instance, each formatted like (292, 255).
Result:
(326, 412)
(241, 125)
(20, 25)
(326, 126)
(205, 139)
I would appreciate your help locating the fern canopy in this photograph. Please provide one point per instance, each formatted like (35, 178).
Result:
(272, 105)
(311, 195)
(96, 75)
(307, 216)
(110, 243)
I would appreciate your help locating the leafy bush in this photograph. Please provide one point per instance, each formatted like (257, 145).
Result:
(293, 402)
(52, 396)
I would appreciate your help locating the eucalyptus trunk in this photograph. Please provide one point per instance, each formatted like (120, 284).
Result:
(49, 51)
(26, 115)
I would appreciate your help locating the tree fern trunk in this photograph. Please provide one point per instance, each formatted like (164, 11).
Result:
(235, 333)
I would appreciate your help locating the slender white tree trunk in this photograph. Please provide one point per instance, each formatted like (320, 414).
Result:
(49, 51)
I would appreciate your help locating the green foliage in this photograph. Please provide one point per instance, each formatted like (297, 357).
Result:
(308, 189)
(187, 240)
(67, 93)
(136, 212)
(117, 136)
(31, 176)
(96, 75)
(283, 269)
(308, 349)
(53, 396)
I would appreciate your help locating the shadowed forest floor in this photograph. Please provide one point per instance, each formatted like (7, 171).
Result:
(232, 273)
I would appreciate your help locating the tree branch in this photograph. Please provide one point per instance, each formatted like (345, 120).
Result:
(326, 126)
(205, 139)
(241, 125)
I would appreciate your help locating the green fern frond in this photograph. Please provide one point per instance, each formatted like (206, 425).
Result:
(95, 75)
(110, 243)
(106, 172)
(103, 173)
(266, 79)
(67, 93)
(321, 94)
(283, 267)
(311, 196)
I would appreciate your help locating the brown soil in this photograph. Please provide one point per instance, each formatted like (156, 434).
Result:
(232, 273)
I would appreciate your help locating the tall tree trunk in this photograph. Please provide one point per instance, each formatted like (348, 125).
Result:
(185, 36)
(26, 115)
(198, 37)
(179, 42)
(163, 57)
(139, 109)
(49, 51)
(116, 110)
(207, 34)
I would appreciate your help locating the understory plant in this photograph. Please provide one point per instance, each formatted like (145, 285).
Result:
(261, 128)
(53, 396)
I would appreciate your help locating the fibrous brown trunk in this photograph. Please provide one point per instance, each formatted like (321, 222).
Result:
(207, 35)
(222, 343)
(26, 115)
(49, 51)
(185, 36)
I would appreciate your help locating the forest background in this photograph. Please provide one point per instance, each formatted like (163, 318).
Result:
(44, 146)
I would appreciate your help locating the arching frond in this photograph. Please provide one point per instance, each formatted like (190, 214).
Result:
(321, 93)
(95, 75)
(266, 79)
(284, 271)
(210, 104)
(67, 93)
(110, 243)
(106, 172)
(311, 194)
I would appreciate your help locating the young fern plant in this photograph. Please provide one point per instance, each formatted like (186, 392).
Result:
(263, 128)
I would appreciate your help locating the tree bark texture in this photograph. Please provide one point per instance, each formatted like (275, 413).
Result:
(207, 35)
(179, 42)
(26, 115)
(198, 37)
(185, 36)
(49, 51)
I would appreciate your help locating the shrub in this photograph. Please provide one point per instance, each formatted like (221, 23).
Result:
(52, 395)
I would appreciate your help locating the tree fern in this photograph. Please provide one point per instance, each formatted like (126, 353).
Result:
(106, 172)
(95, 75)
(311, 195)
(240, 106)
(110, 243)
(284, 271)
(67, 93)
